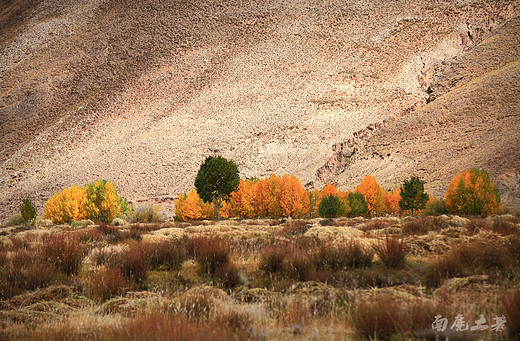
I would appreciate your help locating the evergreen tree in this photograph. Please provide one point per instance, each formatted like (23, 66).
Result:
(357, 205)
(331, 207)
(216, 180)
(413, 196)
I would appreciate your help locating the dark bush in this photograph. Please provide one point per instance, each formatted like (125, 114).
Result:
(28, 211)
(211, 253)
(295, 227)
(228, 276)
(331, 207)
(511, 303)
(423, 225)
(392, 252)
(271, 258)
(299, 266)
(105, 284)
(133, 264)
(441, 268)
(341, 256)
(65, 251)
(168, 253)
(384, 317)
(25, 270)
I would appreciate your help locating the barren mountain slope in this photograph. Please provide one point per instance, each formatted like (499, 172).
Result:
(140, 93)
(473, 122)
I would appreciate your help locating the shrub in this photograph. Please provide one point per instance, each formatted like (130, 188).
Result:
(169, 253)
(15, 220)
(435, 207)
(338, 257)
(375, 224)
(65, 251)
(511, 303)
(104, 284)
(28, 211)
(160, 326)
(25, 270)
(504, 227)
(331, 207)
(441, 268)
(385, 317)
(81, 223)
(105, 255)
(356, 205)
(483, 256)
(472, 192)
(211, 253)
(133, 264)
(271, 258)
(391, 251)
(149, 213)
(111, 233)
(228, 276)
(295, 227)
(423, 225)
(299, 266)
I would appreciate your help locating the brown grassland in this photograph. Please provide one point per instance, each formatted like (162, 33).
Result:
(380, 278)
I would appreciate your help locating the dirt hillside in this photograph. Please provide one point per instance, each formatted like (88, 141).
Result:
(139, 93)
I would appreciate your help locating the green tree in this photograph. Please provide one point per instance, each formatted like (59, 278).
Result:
(413, 196)
(331, 207)
(28, 211)
(356, 205)
(216, 180)
(472, 192)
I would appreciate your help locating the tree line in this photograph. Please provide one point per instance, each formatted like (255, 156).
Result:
(219, 192)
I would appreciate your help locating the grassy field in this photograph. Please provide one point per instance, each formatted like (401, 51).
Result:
(381, 278)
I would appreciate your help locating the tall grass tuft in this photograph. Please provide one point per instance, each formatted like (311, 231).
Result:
(211, 253)
(392, 252)
(65, 250)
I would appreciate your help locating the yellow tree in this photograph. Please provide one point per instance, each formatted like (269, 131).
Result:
(328, 190)
(293, 200)
(187, 207)
(373, 193)
(472, 192)
(179, 205)
(392, 201)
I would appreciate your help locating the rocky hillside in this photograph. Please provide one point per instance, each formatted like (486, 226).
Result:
(139, 93)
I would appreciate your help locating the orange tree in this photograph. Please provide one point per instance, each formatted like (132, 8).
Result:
(472, 192)
(373, 194)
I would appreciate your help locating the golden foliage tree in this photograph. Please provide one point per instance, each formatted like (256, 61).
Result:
(472, 192)
(97, 201)
(373, 193)
(392, 201)
(189, 206)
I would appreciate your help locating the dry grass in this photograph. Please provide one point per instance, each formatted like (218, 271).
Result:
(65, 250)
(211, 253)
(278, 287)
(391, 251)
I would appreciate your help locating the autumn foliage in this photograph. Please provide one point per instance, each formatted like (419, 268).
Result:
(472, 192)
(374, 194)
(277, 197)
(97, 201)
